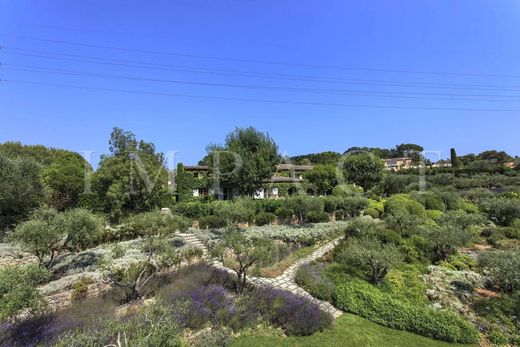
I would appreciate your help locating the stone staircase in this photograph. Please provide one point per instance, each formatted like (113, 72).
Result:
(193, 240)
(285, 281)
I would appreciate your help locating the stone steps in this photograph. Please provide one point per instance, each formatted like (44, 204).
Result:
(285, 281)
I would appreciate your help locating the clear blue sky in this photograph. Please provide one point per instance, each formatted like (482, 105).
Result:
(373, 48)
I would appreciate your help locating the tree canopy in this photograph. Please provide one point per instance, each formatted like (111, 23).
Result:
(247, 158)
(132, 178)
(363, 169)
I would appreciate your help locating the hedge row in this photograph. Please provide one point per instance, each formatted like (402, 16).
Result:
(367, 301)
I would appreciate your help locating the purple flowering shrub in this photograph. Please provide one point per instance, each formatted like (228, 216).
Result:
(43, 330)
(295, 314)
(194, 297)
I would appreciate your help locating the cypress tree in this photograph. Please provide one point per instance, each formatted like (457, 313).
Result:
(454, 159)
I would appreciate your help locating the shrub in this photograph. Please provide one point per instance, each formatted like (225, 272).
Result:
(18, 289)
(406, 284)
(192, 209)
(496, 337)
(461, 219)
(503, 268)
(303, 205)
(264, 218)
(269, 205)
(351, 206)
(317, 217)
(329, 204)
(311, 278)
(298, 235)
(156, 223)
(44, 329)
(157, 325)
(284, 213)
(82, 228)
(295, 314)
(372, 212)
(344, 190)
(80, 288)
(363, 299)
(364, 227)
(212, 222)
(512, 232)
(429, 200)
(444, 241)
(205, 304)
(214, 337)
(464, 286)
(403, 203)
(372, 256)
(434, 214)
(459, 262)
(503, 211)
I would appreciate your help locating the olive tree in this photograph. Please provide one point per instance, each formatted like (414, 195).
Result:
(503, 268)
(247, 158)
(370, 254)
(48, 233)
(245, 251)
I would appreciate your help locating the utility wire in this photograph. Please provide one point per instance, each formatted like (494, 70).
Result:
(253, 61)
(466, 97)
(192, 69)
(263, 100)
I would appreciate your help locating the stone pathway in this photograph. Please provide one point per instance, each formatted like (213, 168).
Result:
(192, 240)
(285, 281)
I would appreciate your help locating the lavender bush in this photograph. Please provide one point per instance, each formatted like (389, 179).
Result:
(295, 314)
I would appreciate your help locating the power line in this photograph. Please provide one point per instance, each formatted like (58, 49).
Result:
(191, 69)
(468, 97)
(262, 100)
(253, 61)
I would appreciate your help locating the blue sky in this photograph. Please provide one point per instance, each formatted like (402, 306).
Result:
(421, 55)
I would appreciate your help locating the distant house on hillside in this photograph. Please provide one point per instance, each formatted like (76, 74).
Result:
(396, 164)
(286, 174)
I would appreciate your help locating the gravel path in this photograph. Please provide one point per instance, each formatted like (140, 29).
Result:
(285, 281)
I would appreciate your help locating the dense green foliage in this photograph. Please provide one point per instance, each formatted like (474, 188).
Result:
(363, 299)
(246, 252)
(350, 331)
(132, 178)
(61, 172)
(20, 188)
(247, 158)
(18, 289)
(323, 177)
(49, 233)
(363, 169)
(322, 158)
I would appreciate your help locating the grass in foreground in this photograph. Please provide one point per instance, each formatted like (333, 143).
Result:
(348, 330)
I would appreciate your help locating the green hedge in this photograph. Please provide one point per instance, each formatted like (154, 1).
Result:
(367, 301)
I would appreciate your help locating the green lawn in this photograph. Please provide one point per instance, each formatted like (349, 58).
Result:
(348, 330)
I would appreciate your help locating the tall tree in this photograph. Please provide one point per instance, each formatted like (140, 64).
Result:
(363, 169)
(20, 189)
(454, 159)
(247, 158)
(62, 172)
(132, 178)
(323, 177)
